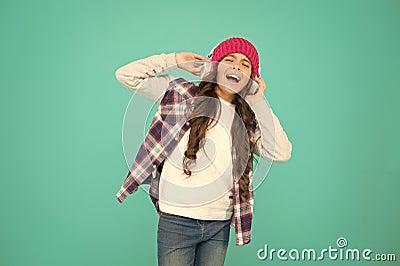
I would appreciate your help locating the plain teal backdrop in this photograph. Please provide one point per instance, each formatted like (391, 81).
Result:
(331, 69)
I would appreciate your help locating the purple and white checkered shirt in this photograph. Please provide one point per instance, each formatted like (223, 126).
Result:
(161, 139)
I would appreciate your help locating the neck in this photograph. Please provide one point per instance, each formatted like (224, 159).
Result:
(229, 97)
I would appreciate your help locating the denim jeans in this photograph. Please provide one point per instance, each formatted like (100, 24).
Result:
(184, 241)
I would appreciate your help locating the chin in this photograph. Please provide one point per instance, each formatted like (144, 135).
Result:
(230, 88)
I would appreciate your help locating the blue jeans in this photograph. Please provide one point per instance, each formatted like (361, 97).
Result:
(184, 241)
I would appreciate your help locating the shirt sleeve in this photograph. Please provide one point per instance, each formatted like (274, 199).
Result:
(144, 76)
(272, 142)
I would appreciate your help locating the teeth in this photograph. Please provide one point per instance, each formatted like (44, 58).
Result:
(233, 76)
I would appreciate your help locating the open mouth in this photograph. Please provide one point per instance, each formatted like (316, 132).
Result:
(233, 78)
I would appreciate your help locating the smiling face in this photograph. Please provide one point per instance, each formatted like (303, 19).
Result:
(233, 73)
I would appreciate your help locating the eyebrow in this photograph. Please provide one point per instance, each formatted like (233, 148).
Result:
(234, 56)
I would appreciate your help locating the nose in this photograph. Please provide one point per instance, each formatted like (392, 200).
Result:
(236, 68)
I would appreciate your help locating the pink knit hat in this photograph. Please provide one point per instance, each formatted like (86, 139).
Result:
(236, 45)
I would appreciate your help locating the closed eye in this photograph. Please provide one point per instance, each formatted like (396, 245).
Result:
(230, 60)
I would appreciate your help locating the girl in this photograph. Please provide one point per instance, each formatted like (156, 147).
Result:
(200, 170)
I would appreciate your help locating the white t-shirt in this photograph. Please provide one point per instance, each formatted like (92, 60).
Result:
(205, 194)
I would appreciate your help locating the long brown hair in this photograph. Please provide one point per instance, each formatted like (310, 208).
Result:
(200, 124)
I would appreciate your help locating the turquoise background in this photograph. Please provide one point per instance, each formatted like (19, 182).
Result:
(331, 69)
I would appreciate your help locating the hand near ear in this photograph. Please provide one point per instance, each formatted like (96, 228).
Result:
(190, 62)
(261, 83)
(256, 92)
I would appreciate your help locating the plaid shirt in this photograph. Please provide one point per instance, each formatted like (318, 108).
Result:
(161, 139)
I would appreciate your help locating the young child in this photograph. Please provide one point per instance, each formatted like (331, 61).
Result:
(199, 167)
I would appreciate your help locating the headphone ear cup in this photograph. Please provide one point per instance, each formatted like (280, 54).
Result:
(212, 51)
(207, 68)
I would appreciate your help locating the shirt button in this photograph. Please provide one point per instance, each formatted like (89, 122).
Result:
(154, 166)
(187, 123)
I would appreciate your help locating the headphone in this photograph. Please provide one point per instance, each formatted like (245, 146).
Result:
(210, 54)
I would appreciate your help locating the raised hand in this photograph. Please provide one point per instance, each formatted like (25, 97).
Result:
(190, 62)
(256, 93)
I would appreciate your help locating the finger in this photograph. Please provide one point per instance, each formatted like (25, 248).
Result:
(197, 73)
(201, 58)
(197, 56)
(257, 80)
